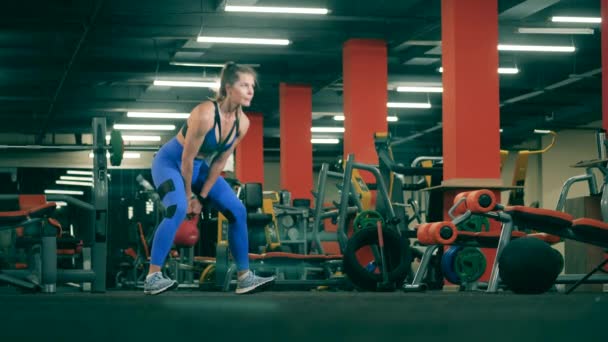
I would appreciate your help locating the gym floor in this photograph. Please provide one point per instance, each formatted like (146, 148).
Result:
(312, 316)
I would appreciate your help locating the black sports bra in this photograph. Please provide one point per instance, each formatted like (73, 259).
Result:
(210, 144)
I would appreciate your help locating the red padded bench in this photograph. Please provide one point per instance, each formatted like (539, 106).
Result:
(556, 223)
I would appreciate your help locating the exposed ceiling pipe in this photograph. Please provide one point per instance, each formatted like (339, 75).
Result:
(87, 28)
(416, 135)
(526, 9)
(572, 79)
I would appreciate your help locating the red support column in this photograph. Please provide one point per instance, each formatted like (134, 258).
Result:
(249, 157)
(471, 116)
(365, 78)
(604, 34)
(296, 148)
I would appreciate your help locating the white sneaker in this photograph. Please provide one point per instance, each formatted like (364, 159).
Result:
(156, 284)
(252, 282)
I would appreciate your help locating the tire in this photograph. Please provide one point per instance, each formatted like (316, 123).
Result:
(395, 253)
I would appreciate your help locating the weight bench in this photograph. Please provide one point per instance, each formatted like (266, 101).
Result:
(454, 237)
(554, 224)
(264, 232)
(43, 276)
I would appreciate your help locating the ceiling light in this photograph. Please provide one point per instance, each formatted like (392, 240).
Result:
(324, 141)
(204, 65)
(500, 70)
(595, 20)
(388, 118)
(425, 105)
(316, 115)
(126, 155)
(78, 172)
(327, 129)
(535, 48)
(208, 65)
(234, 40)
(192, 84)
(138, 137)
(542, 131)
(420, 89)
(263, 9)
(511, 71)
(65, 182)
(144, 127)
(554, 30)
(76, 178)
(150, 115)
(63, 192)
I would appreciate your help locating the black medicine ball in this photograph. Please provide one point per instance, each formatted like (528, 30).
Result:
(529, 265)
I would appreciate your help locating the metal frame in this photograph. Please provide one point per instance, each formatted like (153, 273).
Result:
(93, 274)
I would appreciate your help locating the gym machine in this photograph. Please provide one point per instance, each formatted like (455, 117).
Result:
(94, 251)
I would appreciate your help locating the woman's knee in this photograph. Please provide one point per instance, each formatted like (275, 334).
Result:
(175, 210)
(236, 212)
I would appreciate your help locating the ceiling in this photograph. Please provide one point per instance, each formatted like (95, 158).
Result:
(63, 62)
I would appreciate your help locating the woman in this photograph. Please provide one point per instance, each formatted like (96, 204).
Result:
(188, 167)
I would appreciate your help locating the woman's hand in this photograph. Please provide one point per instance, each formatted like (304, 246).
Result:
(194, 207)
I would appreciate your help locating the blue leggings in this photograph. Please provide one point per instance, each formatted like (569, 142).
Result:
(166, 173)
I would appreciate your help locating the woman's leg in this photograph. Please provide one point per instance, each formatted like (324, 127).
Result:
(224, 199)
(170, 187)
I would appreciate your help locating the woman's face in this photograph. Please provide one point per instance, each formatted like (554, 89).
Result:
(241, 92)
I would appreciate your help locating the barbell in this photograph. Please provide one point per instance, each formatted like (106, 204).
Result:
(116, 147)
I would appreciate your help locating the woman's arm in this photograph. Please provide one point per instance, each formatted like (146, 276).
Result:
(219, 163)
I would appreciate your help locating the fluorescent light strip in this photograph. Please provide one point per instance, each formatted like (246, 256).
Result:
(424, 105)
(594, 20)
(542, 131)
(317, 114)
(151, 115)
(75, 178)
(327, 129)
(192, 84)
(554, 30)
(204, 65)
(63, 192)
(388, 118)
(78, 172)
(65, 182)
(138, 137)
(535, 48)
(208, 65)
(144, 127)
(511, 71)
(235, 40)
(420, 89)
(126, 155)
(324, 141)
(286, 10)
